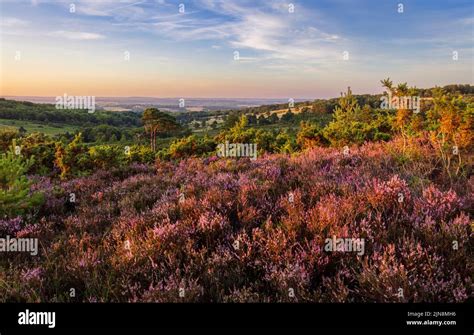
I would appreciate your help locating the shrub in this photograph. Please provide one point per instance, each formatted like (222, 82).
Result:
(42, 148)
(15, 195)
(309, 136)
(6, 138)
(190, 146)
(72, 159)
(141, 154)
(107, 156)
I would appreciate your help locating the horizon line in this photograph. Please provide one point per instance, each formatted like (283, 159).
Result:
(154, 97)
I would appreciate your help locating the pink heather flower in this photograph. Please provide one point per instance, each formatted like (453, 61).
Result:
(10, 226)
(33, 274)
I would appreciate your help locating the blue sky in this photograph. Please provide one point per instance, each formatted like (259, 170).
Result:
(282, 53)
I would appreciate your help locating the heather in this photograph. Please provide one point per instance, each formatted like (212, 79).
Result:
(366, 204)
(208, 229)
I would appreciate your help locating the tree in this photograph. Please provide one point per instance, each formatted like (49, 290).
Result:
(286, 142)
(402, 90)
(155, 122)
(347, 126)
(288, 116)
(262, 120)
(403, 118)
(388, 84)
(352, 124)
(15, 195)
(273, 118)
(453, 131)
(252, 118)
(230, 120)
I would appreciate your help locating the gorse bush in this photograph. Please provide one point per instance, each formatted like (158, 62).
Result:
(310, 136)
(72, 159)
(108, 156)
(188, 147)
(141, 154)
(6, 138)
(42, 148)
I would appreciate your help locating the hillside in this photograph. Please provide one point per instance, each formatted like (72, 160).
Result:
(242, 230)
(356, 204)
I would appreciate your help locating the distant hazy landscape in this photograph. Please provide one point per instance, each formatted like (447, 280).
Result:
(171, 104)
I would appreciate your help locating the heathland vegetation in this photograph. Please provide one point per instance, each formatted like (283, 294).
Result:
(137, 206)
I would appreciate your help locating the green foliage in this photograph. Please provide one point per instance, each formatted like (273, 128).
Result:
(6, 138)
(107, 156)
(158, 122)
(141, 154)
(230, 120)
(105, 133)
(42, 148)
(188, 147)
(452, 132)
(354, 125)
(47, 113)
(15, 195)
(266, 140)
(310, 135)
(72, 159)
(273, 118)
(152, 117)
(448, 118)
(48, 128)
(286, 142)
(322, 106)
(262, 120)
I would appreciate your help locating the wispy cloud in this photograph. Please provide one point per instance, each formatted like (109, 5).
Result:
(468, 21)
(12, 22)
(266, 28)
(76, 35)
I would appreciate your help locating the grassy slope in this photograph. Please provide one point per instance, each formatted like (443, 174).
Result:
(49, 129)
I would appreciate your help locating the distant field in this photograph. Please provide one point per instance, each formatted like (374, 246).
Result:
(31, 127)
(294, 110)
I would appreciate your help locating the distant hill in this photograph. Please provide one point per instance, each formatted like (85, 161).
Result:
(40, 112)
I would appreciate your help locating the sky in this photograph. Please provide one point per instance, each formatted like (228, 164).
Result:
(231, 48)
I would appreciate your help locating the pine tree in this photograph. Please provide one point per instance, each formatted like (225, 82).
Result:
(15, 195)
